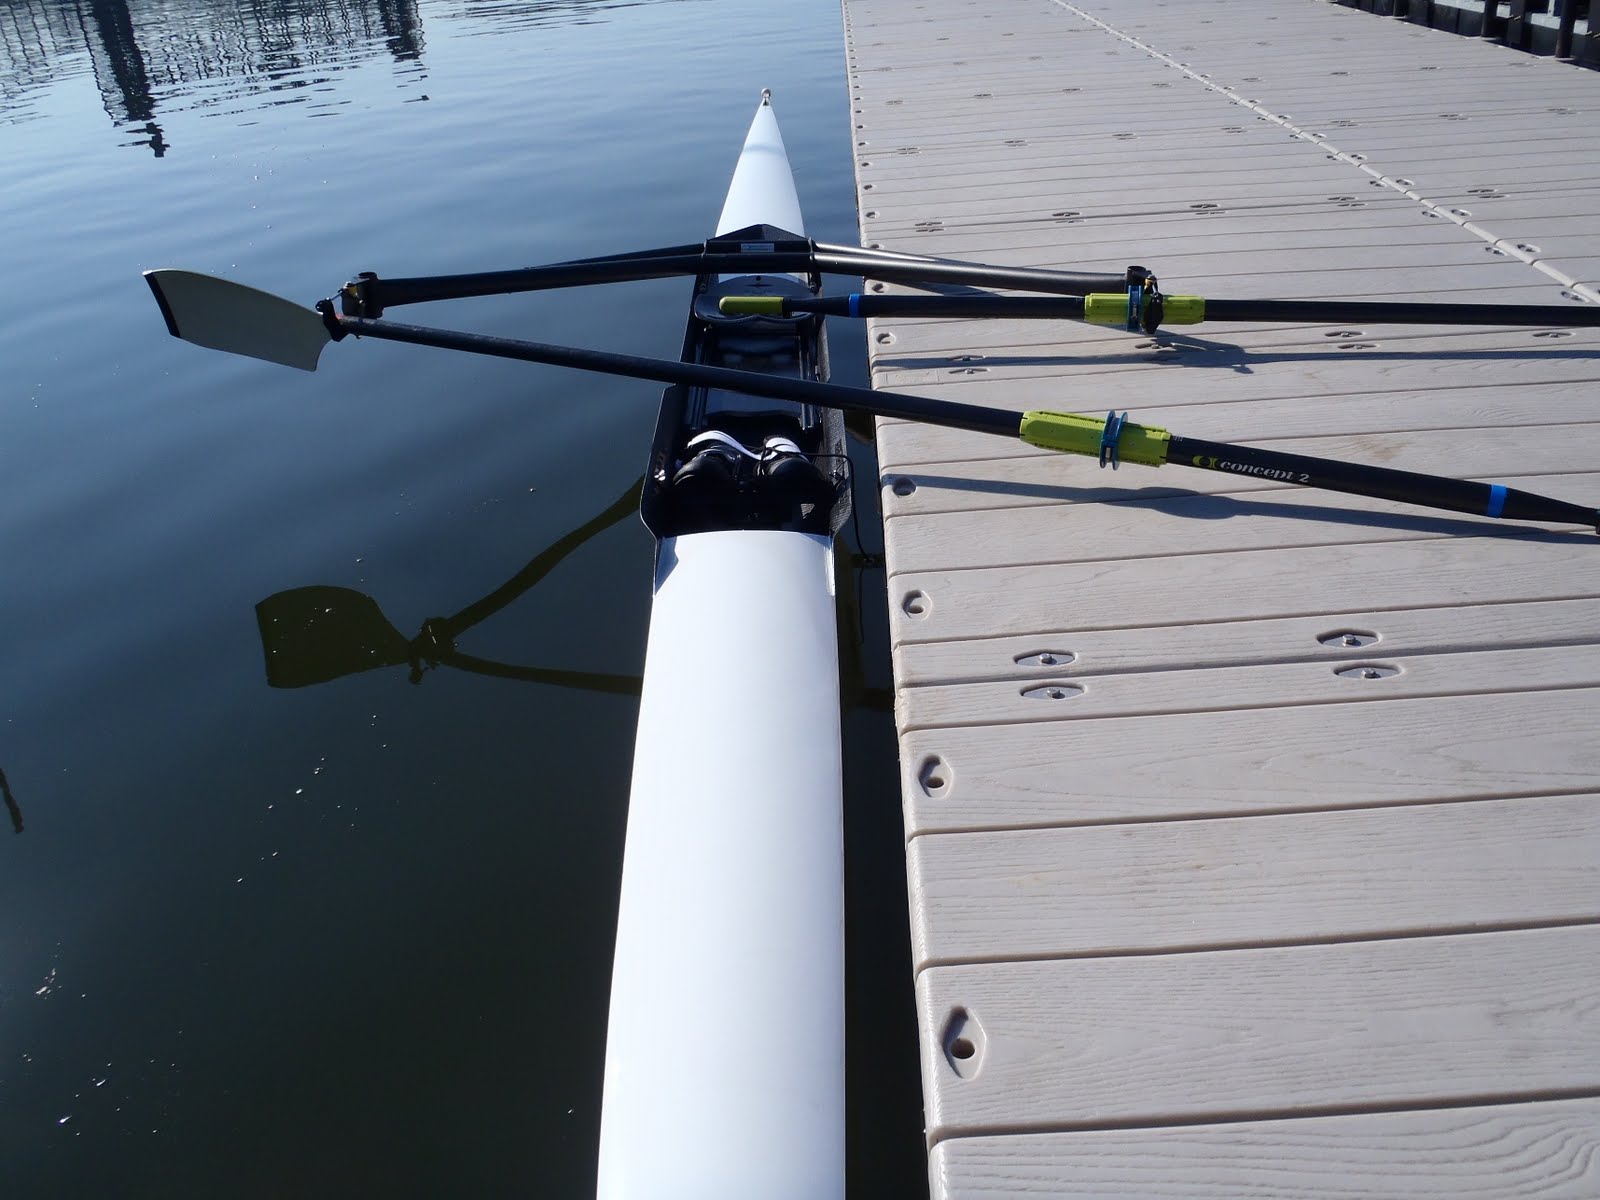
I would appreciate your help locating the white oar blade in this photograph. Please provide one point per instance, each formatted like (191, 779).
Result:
(223, 315)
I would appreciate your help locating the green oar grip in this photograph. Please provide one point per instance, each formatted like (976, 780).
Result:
(1183, 310)
(752, 306)
(1104, 308)
(1108, 308)
(1074, 433)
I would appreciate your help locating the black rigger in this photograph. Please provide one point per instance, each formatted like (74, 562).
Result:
(772, 250)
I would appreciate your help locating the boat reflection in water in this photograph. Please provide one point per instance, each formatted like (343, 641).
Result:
(198, 54)
(320, 633)
(209, 55)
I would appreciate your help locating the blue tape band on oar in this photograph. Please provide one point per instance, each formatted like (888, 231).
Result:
(1497, 500)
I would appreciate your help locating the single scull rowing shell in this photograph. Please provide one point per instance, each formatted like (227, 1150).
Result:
(724, 1070)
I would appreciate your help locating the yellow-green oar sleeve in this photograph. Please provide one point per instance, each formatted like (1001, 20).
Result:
(1074, 433)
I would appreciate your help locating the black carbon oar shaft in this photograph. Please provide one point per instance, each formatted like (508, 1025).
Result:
(1112, 308)
(975, 417)
(934, 270)
(379, 294)
(1027, 307)
(1383, 483)
(1322, 312)
(1116, 439)
(1111, 439)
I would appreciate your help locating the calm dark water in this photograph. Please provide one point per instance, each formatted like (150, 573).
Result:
(354, 938)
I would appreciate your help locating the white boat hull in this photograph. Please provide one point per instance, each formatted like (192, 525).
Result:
(725, 1056)
(762, 191)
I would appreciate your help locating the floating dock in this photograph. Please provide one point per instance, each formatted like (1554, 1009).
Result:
(1253, 832)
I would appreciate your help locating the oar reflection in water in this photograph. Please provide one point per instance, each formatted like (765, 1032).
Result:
(319, 633)
(11, 804)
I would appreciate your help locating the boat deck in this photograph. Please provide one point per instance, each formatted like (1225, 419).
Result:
(1253, 832)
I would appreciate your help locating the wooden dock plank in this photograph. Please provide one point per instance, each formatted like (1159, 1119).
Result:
(907, 447)
(1326, 637)
(1409, 367)
(1411, 1022)
(1470, 452)
(1375, 678)
(1453, 94)
(1265, 760)
(1545, 1150)
(1204, 522)
(1179, 367)
(1237, 585)
(1152, 236)
(1222, 882)
(1255, 881)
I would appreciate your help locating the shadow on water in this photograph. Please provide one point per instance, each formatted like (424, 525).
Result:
(12, 808)
(885, 1155)
(320, 633)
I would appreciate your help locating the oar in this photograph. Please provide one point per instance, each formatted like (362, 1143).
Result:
(1148, 310)
(1111, 439)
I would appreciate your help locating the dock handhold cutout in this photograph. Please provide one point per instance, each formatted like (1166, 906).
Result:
(964, 1043)
(934, 777)
(1367, 671)
(1348, 638)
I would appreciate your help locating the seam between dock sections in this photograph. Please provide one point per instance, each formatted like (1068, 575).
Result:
(1332, 657)
(1460, 529)
(1442, 693)
(1163, 492)
(1231, 706)
(1271, 616)
(1157, 1121)
(967, 382)
(1234, 814)
(1443, 210)
(1237, 947)
(912, 469)
(1236, 663)
(1198, 401)
(1342, 615)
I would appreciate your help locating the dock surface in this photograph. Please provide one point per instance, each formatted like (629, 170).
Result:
(1253, 832)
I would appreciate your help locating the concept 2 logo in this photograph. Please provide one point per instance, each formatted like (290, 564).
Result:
(1211, 463)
